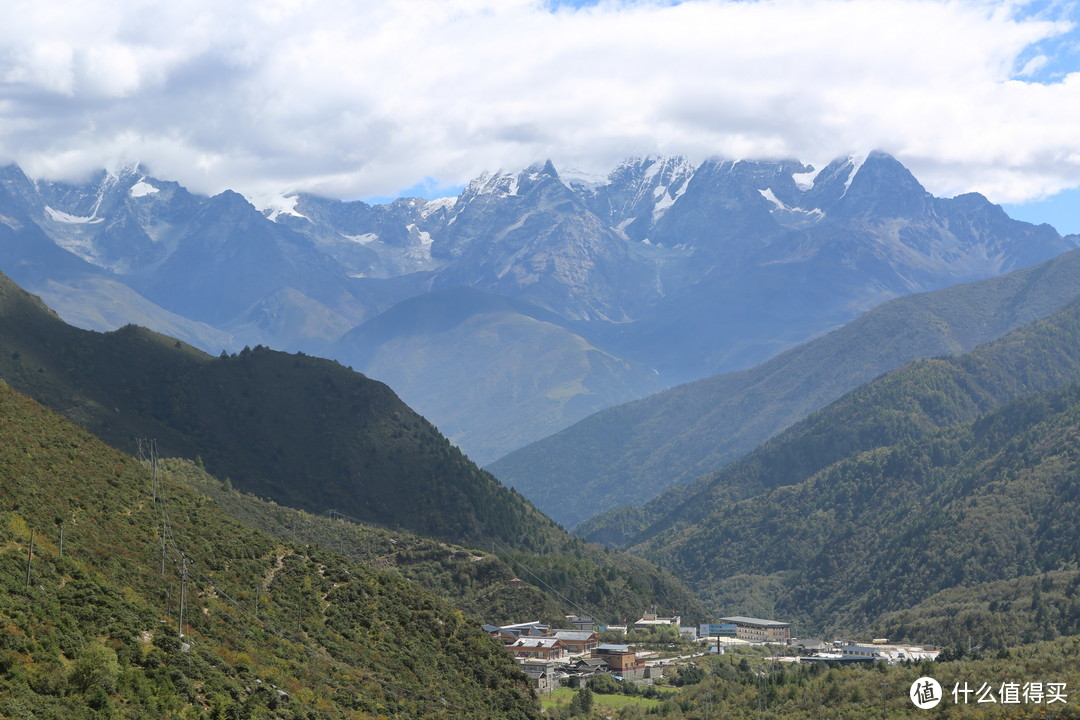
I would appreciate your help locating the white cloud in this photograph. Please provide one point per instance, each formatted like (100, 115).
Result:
(358, 99)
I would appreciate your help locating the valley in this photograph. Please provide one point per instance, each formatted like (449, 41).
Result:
(662, 273)
(895, 462)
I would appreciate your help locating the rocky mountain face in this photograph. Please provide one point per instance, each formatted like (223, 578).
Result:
(663, 272)
(530, 236)
(777, 255)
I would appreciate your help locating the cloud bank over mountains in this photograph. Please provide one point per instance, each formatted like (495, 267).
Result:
(359, 99)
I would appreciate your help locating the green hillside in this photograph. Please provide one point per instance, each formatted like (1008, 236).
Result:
(630, 453)
(495, 585)
(885, 528)
(311, 434)
(906, 404)
(304, 431)
(999, 613)
(742, 685)
(269, 629)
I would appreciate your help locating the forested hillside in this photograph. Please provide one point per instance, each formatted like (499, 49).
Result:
(907, 403)
(311, 434)
(96, 558)
(884, 529)
(927, 479)
(302, 430)
(632, 452)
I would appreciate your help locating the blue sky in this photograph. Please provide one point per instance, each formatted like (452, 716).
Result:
(1062, 211)
(1061, 52)
(380, 99)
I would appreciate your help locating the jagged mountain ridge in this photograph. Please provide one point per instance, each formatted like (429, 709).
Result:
(681, 270)
(757, 283)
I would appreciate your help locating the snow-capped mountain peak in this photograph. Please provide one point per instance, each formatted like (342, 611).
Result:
(638, 192)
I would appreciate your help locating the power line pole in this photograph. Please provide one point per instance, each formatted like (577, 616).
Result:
(154, 467)
(183, 589)
(30, 556)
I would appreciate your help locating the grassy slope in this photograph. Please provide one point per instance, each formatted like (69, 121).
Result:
(94, 634)
(581, 579)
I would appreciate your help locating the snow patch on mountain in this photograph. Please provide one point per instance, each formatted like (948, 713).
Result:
(769, 195)
(422, 235)
(499, 184)
(805, 180)
(668, 199)
(397, 259)
(142, 189)
(575, 178)
(63, 217)
(856, 163)
(793, 217)
(433, 206)
(280, 205)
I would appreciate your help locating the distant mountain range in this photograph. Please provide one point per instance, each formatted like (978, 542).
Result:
(662, 273)
(554, 297)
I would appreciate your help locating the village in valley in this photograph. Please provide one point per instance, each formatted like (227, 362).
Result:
(574, 655)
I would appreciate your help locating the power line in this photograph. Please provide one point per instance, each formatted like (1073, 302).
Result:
(508, 552)
(186, 562)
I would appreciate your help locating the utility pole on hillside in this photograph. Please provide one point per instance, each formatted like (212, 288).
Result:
(183, 589)
(30, 556)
